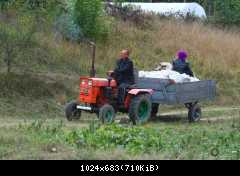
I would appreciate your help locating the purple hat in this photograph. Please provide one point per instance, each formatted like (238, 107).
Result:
(182, 55)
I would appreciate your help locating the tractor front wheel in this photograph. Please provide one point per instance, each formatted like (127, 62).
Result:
(71, 111)
(140, 109)
(107, 114)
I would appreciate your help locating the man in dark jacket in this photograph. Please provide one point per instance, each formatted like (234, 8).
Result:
(181, 65)
(124, 71)
(124, 74)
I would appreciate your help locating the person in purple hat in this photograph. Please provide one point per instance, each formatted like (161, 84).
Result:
(181, 65)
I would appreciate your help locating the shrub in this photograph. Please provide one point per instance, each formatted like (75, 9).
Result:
(15, 40)
(227, 12)
(67, 28)
(129, 13)
(90, 17)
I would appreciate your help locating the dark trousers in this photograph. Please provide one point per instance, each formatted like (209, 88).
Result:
(122, 92)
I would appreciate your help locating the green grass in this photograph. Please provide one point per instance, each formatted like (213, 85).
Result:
(87, 139)
(33, 126)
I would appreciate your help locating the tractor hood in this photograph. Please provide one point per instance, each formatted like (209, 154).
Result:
(97, 82)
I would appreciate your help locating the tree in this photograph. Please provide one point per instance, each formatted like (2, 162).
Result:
(21, 19)
(15, 40)
(90, 17)
(227, 12)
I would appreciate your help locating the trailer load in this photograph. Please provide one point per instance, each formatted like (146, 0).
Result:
(168, 74)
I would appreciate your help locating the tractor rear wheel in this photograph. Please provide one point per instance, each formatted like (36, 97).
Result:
(140, 109)
(107, 114)
(195, 113)
(71, 111)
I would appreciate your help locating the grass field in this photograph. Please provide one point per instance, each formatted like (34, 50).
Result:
(33, 126)
(43, 136)
(213, 53)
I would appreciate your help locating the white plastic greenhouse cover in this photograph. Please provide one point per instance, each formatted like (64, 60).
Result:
(172, 8)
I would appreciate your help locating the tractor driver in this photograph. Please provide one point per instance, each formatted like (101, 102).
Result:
(124, 74)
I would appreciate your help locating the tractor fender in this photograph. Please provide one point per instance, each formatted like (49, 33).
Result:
(139, 91)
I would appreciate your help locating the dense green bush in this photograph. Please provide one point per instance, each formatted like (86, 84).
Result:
(227, 12)
(66, 26)
(91, 18)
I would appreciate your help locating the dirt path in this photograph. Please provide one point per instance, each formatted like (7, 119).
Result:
(13, 122)
(215, 109)
(212, 109)
(17, 122)
(216, 119)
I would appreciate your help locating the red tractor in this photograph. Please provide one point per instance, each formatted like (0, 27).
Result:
(100, 96)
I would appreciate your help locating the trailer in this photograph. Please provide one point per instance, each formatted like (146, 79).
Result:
(189, 94)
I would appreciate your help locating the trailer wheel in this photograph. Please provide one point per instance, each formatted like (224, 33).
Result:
(155, 108)
(71, 111)
(107, 114)
(140, 109)
(195, 113)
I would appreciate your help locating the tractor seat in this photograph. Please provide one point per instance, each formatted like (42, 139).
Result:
(134, 86)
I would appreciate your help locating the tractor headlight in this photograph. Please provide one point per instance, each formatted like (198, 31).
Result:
(90, 83)
(83, 82)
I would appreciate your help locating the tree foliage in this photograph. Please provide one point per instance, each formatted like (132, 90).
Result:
(15, 40)
(91, 18)
(228, 12)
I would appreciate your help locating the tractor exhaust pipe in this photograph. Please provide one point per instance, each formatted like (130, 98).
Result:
(93, 70)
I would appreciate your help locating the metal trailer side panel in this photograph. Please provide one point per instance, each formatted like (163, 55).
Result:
(160, 98)
(195, 91)
(171, 94)
(152, 83)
